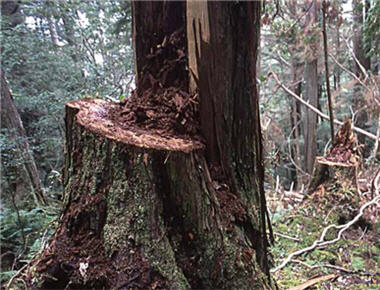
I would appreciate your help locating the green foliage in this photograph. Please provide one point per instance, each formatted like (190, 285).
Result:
(93, 57)
(59, 51)
(23, 233)
(372, 30)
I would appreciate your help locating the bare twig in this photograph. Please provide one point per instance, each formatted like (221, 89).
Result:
(315, 110)
(286, 237)
(299, 18)
(321, 241)
(347, 71)
(16, 275)
(356, 59)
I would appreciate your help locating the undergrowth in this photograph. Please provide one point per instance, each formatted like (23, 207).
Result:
(354, 259)
(23, 233)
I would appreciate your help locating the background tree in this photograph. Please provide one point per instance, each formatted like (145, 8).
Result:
(26, 169)
(362, 61)
(311, 84)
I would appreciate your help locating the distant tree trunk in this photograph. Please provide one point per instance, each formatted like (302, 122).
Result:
(337, 46)
(51, 24)
(295, 111)
(11, 121)
(295, 117)
(150, 211)
(311, 93)
(360, 53)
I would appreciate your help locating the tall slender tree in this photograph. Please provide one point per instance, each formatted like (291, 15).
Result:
(311, 87)
(27, 169)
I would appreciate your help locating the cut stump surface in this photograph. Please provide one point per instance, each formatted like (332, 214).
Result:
(93, 114)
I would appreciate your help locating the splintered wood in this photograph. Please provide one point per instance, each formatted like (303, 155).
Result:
(341, 162)
(344, 151)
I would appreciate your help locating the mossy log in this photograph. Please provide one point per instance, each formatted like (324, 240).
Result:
(142, 212)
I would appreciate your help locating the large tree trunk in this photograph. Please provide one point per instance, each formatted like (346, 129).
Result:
(147, 210)
(26, 172)
(311, 93)
(297, 67)
(223, 42)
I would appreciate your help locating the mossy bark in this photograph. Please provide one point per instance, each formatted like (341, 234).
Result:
(142, 217)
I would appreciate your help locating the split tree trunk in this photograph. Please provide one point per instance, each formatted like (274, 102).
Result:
(223, 46)
(146, 211)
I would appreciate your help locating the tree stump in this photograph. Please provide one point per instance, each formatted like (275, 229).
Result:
(340, 163)
(334, 186)
(149, 202)
(143, 212)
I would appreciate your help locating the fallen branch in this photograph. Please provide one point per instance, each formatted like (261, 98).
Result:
(286, 237)
(348, 71)
(313, 281)
(315, 110)
(321, 242)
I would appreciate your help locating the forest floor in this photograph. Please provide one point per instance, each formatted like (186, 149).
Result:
(351, 262)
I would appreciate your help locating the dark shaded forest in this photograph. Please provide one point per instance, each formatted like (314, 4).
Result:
(190, 144)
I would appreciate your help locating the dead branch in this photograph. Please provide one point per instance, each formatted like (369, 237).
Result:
(286, 237)
(315, 110)
(356, 59)
(347, 71)
(321, 241)
(313, 281)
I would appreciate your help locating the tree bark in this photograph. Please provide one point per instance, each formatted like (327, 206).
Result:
(311, 94)
(327, 74)
(150, 211)
(229, 111)
(10, 119)
(295, 118)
